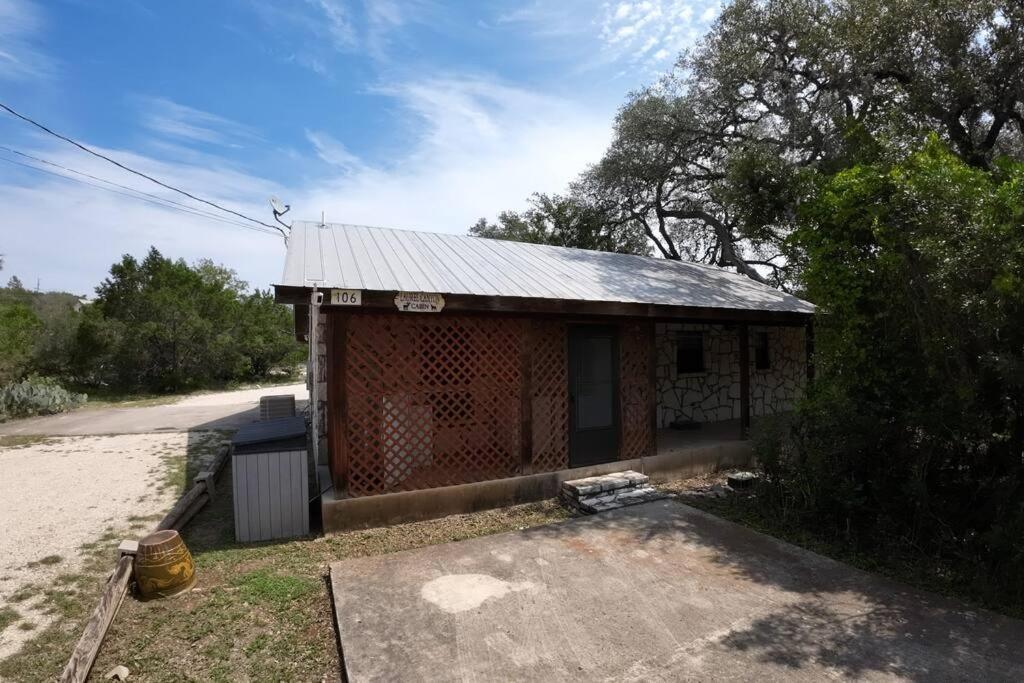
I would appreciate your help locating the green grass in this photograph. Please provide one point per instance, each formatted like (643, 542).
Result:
(257, 612)
(7, 617)
(22, 440)
(46, 561)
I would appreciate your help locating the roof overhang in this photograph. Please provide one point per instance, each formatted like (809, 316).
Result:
(382, 301)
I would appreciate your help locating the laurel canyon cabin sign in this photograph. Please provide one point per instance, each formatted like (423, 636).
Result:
(419, 302)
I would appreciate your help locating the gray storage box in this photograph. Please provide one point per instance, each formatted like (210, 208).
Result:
(270, 475)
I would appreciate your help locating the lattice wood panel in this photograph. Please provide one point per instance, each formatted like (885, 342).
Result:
(635, 387)
(432, 401)
(550, 395)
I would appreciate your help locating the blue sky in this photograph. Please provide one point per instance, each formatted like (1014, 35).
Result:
(420, 114)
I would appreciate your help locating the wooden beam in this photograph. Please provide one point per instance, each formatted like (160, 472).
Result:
(809, 347)
(88, 646)
(652, 375)
(337, 408)
(744, 381)
(377, 301)
(526, 399)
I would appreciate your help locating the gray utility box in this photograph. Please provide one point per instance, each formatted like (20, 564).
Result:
(270, 475)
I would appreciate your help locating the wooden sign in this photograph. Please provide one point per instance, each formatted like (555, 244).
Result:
(419, 302)
(346, 297)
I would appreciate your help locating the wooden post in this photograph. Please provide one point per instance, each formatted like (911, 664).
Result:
(337, 409)
(809, 347)
(526, 398)
(88, 645)
(652, 380)
(744, 381)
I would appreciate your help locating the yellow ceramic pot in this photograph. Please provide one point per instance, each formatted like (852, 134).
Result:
(163, 565)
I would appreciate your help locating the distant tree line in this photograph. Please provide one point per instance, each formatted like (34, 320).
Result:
(155, 325)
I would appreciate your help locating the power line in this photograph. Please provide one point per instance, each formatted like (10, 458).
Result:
(155, 198)
(158, 201)
(82, 147)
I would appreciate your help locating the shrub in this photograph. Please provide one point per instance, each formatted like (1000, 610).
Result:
(36, 396)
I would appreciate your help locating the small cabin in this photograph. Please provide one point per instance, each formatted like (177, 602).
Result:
(452, 373)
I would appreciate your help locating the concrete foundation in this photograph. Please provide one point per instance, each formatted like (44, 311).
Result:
(679, 454)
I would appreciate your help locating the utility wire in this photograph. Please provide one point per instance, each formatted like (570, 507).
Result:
(157, 202)
(156, 198)
(82, 147)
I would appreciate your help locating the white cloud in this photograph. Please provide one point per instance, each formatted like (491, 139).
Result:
(485, 147)
(338, 22)
(21, 22)
(641, 36)
(67, 234)
(480, 147)
(332, 151)
(632, 31)
(168, 118)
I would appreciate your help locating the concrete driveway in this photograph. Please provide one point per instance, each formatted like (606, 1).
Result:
(656, 592)
(222, 410)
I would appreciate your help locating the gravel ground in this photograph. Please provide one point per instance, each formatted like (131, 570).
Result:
(62, 494)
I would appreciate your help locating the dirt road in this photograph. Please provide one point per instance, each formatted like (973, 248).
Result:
(223, 410)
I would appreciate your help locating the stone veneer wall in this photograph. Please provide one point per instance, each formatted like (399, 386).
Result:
(714, 395)
(321, 379)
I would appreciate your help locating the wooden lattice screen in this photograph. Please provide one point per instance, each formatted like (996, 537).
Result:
(635, 389)
(432, 401)
(437, 400)
(550, 395)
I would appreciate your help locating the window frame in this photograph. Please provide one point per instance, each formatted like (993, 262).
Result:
(690, 336)
(762, 350)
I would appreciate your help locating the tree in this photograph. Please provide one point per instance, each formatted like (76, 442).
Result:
(564, 222)
(15, 283)
(18, 326)
(713, 161)
(912, 434)
(162, 325)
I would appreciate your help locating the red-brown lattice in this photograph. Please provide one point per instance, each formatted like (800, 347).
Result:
(635, 388)
(432, 401)
(550, 396)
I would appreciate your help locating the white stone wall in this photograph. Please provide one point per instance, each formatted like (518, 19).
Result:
(714, 394)
(321, 380)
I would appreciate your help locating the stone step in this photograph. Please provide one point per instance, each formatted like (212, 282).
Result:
(615, 499)
(604, 483)
(608, 491)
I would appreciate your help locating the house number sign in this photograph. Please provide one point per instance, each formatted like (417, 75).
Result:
(346, 297)
(419, 302)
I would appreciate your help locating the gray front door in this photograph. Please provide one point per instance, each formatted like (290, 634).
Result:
(593, 395)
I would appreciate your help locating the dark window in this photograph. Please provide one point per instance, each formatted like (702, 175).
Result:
(762, 361)
(690, 353)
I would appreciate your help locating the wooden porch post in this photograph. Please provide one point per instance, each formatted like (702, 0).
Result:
(526, 398)
(809, 347)
(337, 410)
(744, 381)
(652, 374)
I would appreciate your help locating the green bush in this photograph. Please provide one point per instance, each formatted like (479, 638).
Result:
(36, 396)
(912, 436)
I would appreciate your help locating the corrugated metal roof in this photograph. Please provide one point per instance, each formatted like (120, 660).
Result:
(381, 259)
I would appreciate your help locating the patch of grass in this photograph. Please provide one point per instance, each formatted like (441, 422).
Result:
(22, 440)
(7, 617)
(263, 611)
(70, 597)
(273, 589)
(47, 561)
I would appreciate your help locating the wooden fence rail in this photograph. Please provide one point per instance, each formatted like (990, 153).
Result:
(84, 654)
